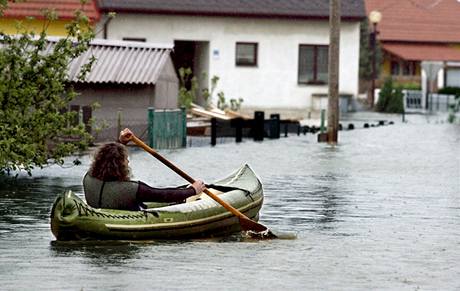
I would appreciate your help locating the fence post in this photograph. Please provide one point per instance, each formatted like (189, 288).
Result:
(258, 125)
(184, 126)
(323, 117)
(238, 129)
(274, 126)
(151, 119)
(213, 131)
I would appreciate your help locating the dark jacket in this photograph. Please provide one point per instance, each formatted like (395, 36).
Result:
(129, 195)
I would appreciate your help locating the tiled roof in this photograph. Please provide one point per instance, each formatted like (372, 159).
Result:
(418, 20)
(64, 8)
(351, 9)
(121, 62)
(423, 52)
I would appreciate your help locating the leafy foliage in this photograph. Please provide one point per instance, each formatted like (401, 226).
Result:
(410, 86)
(454, 108)
(390, 98)
(234, 105)
(35, 128)
(450, 91)
(189, 88)
(366, 54)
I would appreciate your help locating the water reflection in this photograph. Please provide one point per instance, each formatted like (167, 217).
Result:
(105, 253)
(98, 253)
(26, 202)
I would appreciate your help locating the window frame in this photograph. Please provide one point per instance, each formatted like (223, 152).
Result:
(395, 68)
(314, 80)
(238, 62)
(135, 39)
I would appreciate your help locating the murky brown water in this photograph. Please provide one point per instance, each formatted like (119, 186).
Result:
(381, 211)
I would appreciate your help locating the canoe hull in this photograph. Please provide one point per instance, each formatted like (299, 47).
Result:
(73, 219)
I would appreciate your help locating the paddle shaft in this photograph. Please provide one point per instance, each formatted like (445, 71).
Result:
(184, 175)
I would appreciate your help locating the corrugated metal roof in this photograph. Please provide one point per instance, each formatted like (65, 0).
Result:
(121, 62)
(351, 9)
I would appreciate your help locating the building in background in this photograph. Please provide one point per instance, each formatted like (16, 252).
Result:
(31, 15)
(273, 54)
(127, 79)
(415, 31)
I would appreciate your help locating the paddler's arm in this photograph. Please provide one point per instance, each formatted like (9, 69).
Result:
(145, 193)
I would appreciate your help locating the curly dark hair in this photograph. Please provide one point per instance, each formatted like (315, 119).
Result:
(110, 163)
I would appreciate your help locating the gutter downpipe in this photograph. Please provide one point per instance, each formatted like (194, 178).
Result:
(106, 27)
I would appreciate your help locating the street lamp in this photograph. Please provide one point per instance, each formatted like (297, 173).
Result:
(374, 17)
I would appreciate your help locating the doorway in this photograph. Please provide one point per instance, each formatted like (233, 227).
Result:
(193, 55)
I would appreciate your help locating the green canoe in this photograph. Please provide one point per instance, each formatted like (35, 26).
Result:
(73, 219)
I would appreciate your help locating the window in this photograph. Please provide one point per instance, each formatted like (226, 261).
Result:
(139, 39)
(409, 68)
(313, 64)
(246, 54)
(395, 68)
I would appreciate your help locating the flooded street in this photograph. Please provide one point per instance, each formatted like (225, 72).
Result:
(380, 211)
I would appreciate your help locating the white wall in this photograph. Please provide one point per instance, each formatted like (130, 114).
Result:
(273, 83)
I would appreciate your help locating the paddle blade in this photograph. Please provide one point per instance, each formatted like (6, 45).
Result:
(248, 224)
(255, 230)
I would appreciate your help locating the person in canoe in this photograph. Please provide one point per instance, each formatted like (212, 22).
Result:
(107, 184)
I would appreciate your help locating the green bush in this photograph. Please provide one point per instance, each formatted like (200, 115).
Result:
(450, 91)
(456, 106)
(409, 86)
(390, 98)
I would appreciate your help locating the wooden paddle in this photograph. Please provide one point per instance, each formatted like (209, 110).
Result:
(246, 223)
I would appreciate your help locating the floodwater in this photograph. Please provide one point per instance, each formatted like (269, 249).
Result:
(380, 211)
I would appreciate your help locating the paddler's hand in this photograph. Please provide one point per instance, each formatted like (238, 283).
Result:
(125, 136)
(199, 186)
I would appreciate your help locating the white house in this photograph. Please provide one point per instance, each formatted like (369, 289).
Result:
(273, 54)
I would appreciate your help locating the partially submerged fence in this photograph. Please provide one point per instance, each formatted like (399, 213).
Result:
(167, 128)
(257, 128)
(415, 101)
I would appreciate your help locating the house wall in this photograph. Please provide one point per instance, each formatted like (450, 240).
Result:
(55, 27)
(273, 83)
(403, 79)
(132, 102)
(167, 88)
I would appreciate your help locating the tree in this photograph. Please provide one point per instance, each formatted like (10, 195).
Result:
(366, 52)
(35, 128)
(390, 98)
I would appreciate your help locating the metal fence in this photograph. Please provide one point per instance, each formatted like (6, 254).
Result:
(414, 101)
(440, 102)
(167, 128)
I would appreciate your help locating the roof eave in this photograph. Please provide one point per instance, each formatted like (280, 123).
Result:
(230, 14)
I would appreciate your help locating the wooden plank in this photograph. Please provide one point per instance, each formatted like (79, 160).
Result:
(210, 114)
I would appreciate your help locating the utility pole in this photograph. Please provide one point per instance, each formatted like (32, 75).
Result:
(334, 49)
